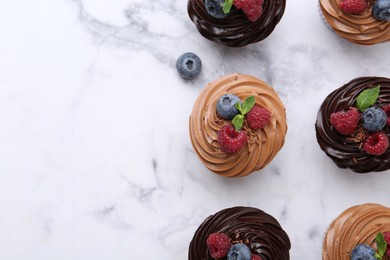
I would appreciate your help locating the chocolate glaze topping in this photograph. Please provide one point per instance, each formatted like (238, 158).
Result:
(346, 153)
(236, 30)
(251, 226)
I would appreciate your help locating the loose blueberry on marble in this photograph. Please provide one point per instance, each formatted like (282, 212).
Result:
(214, 8)
(363, 252)
(189, 65)
(374, 119)
(239, 252)
(226, 106)
(381, 10)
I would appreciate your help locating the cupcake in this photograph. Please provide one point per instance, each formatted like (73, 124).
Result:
(360, 232)
(245, 21)
(247, 231)
(364, 22)
(237, 125)
(352, 126)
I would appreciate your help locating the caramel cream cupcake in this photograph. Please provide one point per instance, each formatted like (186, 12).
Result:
(352, 149)
(236, 29)
(258, 233)
(360, 28)
(259, 146)
(358, 225)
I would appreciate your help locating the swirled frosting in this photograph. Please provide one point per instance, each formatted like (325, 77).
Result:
(345, 151)
(356, 225)
(258, 230)
(262, 145)
(236, 30)
(360, 29)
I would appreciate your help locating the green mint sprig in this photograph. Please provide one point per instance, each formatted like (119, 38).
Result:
(367, 98)
(243, 108)
(381, 246)
(227, 6)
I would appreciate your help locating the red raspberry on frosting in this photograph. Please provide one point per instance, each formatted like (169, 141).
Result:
(218, 244)
(387, 251)
(256, 257)
(252, 8)
(230, 140)
(258, 117)
(353, 6)
(345, 122)
(376, 143)
(386, 108)
(386, 235)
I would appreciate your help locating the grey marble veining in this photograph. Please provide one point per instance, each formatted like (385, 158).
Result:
(96, 160)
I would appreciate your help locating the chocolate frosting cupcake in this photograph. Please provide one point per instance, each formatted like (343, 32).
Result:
(345, 151)
(258, 230)
(236, 30)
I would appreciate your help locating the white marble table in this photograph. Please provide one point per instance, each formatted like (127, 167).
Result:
(96, 160)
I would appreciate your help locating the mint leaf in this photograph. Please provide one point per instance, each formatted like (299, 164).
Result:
(367, 98)
(380, 244)
(248, 104)
(238, 105)
(227, 6)
(377, 256)
(243, 108)
(237, 121)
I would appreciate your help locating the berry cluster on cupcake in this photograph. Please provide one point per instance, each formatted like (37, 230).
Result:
(221, 8)
(221, 246)
(380, 8)
(366, 123)
(232, 137)
(380, 252)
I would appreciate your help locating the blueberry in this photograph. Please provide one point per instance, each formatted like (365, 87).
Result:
(214, 8)
(381, 10)
(189, 65)
(226, 106)
(239, 252)
(363, 252)
(374, 119)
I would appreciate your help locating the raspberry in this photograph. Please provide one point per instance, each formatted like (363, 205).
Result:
(219, 244)
(230, 140)
(386, 108)
(353, 6)
(376, 143)
(258, 117)
(387, 251)
(256, 257)
(387, 237)
(345, 122)
(252, 8)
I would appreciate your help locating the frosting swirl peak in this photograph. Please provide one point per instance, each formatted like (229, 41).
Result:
(262, 145)
(361, 29)
(356, 225)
